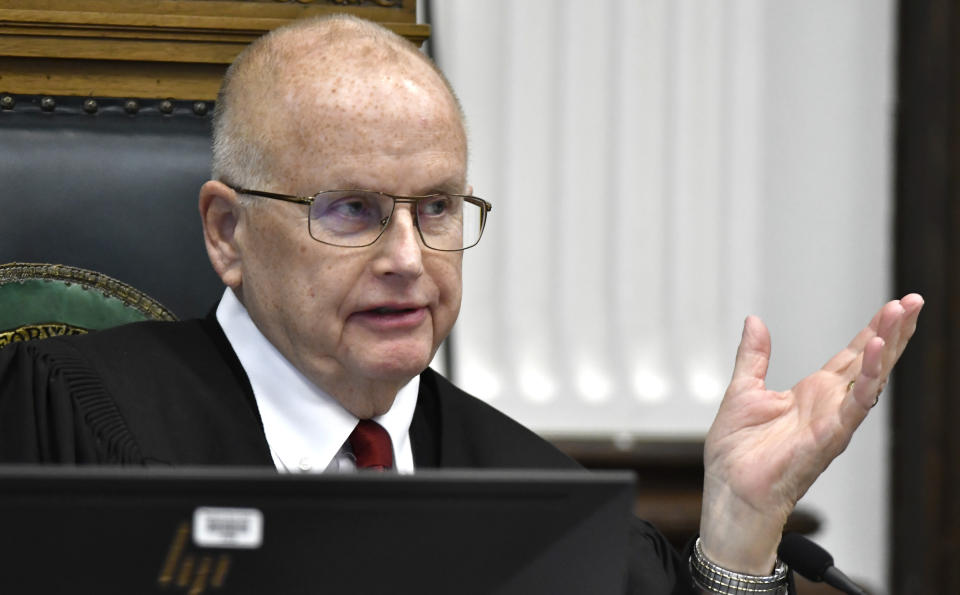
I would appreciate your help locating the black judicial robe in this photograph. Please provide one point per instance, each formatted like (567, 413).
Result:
(174, 393)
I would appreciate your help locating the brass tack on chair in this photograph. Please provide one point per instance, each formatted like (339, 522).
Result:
(48, 104)
(200, 108)
(90, 105)
(166, 106)
(7, 102)
(131, 106)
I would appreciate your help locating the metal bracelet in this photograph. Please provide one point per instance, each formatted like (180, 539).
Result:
(716, 579)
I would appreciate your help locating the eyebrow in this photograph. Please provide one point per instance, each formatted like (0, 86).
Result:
(449, 187)
(446, 187)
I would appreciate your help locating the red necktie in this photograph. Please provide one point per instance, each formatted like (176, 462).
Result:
(371, 446)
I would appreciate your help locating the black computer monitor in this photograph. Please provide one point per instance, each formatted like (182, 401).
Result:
(102, 530)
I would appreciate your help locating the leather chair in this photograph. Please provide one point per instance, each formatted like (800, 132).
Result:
(109, 185)
(43, 300)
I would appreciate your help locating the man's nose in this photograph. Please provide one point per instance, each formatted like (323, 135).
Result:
(400, 247)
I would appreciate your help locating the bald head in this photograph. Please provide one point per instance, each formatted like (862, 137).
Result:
(317, 83)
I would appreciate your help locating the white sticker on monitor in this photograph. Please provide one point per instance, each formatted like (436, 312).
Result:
(240, 528)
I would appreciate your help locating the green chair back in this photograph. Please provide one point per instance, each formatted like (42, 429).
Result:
(44, 300)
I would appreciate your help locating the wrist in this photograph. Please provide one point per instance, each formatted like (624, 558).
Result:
(713, 578)
(736, 535)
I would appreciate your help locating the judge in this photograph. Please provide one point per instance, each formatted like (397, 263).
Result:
(337, 218)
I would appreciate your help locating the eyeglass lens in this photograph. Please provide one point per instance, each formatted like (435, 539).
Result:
(357, 218)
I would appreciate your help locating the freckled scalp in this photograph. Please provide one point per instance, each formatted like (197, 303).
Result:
(336, 77)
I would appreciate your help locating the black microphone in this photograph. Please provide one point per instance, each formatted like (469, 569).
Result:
(814, 563)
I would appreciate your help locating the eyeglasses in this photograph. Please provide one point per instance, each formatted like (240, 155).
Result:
(357, 218)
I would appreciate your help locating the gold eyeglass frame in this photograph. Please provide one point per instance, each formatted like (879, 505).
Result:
(485, 207)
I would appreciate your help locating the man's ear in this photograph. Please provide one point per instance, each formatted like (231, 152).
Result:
(220, 214)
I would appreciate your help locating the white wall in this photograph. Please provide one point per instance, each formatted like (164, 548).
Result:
(829, 131)
(703, 161)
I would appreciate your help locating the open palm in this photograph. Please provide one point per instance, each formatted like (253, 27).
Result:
(766, 448)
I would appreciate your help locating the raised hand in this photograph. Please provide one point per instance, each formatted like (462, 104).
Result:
(766, 448)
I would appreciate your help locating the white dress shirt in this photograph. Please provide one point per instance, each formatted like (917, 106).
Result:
(306, 428)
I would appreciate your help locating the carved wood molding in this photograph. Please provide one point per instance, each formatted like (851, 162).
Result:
(160, 48)
(385, 3)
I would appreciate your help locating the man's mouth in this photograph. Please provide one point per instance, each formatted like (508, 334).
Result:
(387, 310)
(386, 318)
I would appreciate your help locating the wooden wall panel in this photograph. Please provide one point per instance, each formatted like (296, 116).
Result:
(926, 412)
(160, 49)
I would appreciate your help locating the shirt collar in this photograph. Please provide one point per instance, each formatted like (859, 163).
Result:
(305, 427)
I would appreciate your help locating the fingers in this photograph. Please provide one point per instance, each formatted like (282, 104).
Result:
(753, 354)
(855, 347)
(895, 323)
(850, 355)
(869, 381)
(896, 329)
(867, 385)
(891, 323)
(912, 304)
